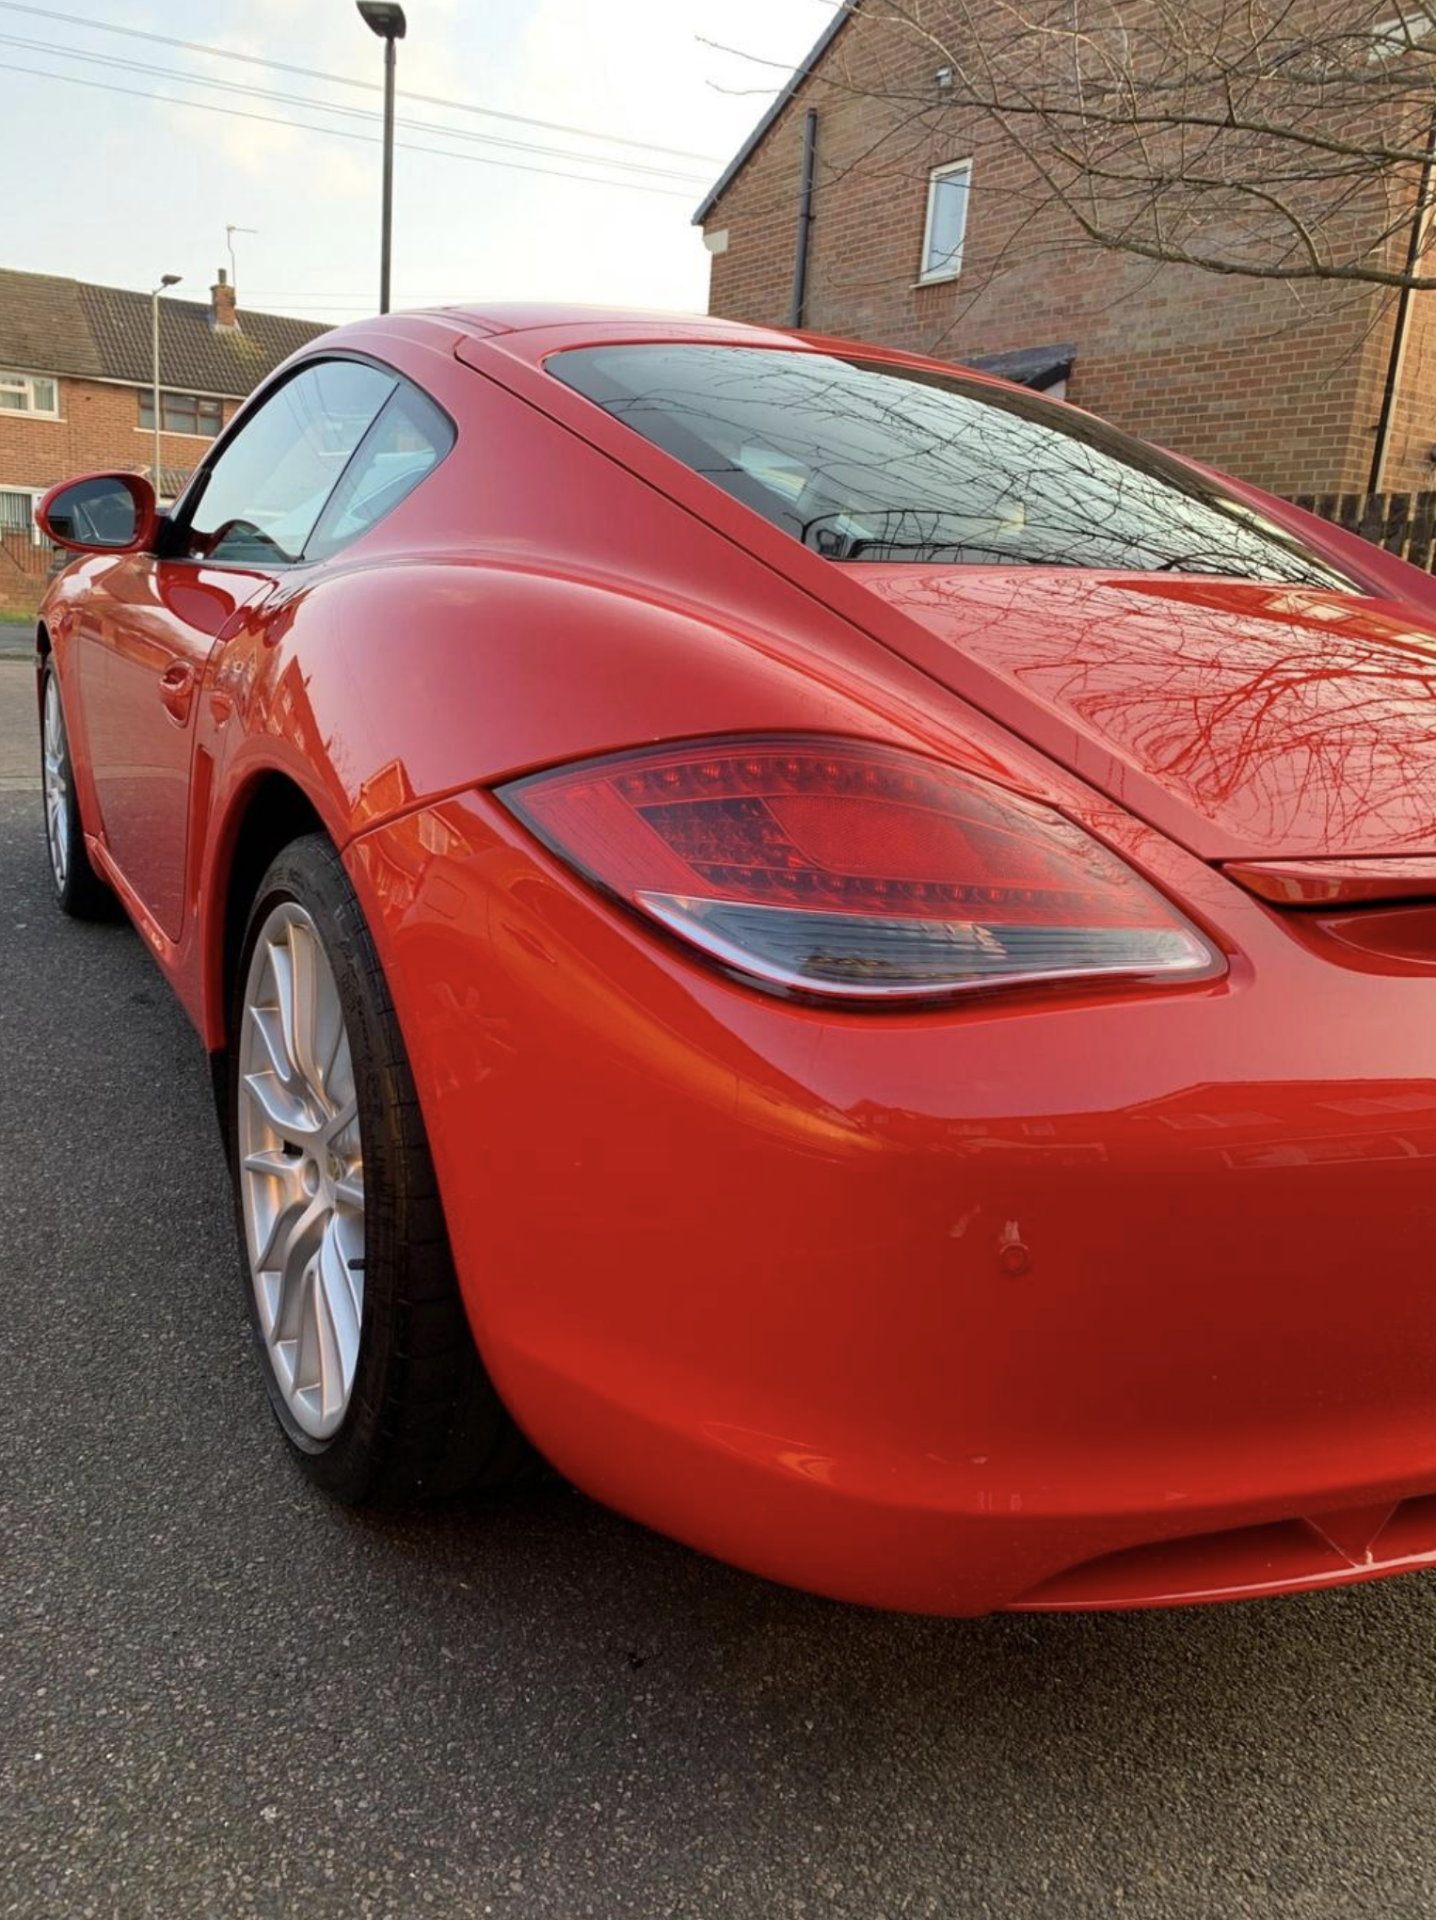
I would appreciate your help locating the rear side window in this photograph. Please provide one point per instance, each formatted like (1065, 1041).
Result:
(269, 484)
(407, 441)
(867, 462)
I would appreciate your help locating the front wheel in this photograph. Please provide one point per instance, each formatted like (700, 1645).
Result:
(79, 890)
(367, 1354)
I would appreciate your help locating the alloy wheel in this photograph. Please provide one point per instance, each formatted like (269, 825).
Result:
(301, 1170)
(57, 782)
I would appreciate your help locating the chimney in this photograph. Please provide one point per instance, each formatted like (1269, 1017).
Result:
(222, 315)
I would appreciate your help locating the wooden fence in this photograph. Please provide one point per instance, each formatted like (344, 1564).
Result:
(1403, 523)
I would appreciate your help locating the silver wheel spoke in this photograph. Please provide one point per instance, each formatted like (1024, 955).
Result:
(284, 1111)
(349, 1189)
(289, 1244)
(302, 1170)
(305, 1373)
(296, 970)
(267, 1160)
(336, 1072)
(340, 1299)
(271, 1032)
(331, 1389)
(56, 782)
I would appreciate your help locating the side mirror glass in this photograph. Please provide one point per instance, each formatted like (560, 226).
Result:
(101, 513)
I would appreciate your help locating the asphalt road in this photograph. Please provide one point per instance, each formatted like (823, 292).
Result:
(220, 1696)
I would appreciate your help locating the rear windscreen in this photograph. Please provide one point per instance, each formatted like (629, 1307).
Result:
(861, 461)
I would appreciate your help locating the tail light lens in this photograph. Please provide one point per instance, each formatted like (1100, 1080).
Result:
(835, 867)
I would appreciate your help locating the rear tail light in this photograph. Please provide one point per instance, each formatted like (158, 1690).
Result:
(838, 868)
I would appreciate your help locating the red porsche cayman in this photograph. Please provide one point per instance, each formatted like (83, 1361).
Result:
(847, 949)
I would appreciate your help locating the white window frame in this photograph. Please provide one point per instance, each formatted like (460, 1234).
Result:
(25, 383)
(1402, 33)
(952, 267)
(37, 494)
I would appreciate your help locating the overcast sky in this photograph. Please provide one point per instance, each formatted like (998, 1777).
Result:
(120, 187)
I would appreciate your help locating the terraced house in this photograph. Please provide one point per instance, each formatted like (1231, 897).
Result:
(77, 393)
(870, 203)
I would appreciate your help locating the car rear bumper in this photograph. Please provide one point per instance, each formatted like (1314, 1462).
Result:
(914, 1544)
(1245, 1563)
(1063, 1302)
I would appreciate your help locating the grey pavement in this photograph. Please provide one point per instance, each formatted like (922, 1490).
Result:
(220, 1696)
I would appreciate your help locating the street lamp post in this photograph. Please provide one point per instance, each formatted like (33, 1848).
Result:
(386, 18)
(166, 280)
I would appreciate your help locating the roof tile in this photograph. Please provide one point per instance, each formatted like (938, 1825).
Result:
(51, 325)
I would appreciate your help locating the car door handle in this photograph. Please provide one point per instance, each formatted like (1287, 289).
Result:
(177, 689)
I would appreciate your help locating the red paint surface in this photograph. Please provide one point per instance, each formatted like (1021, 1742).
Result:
(1116, 1296)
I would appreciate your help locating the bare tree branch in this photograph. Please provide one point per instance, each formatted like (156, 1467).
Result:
(1283, 140)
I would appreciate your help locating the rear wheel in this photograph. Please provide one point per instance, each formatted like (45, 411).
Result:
(367, 1354)
(78, 888)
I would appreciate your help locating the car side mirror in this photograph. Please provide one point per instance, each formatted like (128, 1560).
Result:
(101, 513)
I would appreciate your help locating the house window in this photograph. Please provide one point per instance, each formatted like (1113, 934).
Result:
(1403, 33)
(29, 393)
(946, 227)
(182, 413)
(17, 513)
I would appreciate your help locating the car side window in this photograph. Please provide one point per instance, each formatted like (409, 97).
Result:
(263, 497)
(407, 441)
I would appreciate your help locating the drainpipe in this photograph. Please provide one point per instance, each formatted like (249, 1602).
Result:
(805, 219)
(1415, 246)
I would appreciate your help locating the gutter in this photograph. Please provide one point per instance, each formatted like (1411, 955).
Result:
(756, 138)
(1415, 247)
(805, 220)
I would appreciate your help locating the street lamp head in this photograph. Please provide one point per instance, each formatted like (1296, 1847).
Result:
(170, 279)
(384, 17)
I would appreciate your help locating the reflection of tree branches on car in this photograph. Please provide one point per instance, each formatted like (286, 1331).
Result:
(1109, 581)
(1310, 712)
(935, 538)
(870, 461)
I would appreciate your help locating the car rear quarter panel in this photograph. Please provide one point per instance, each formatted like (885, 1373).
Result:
(533, 603)
(920, 1308)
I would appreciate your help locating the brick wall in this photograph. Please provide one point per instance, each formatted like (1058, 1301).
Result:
(98, 429)
(1278, 386)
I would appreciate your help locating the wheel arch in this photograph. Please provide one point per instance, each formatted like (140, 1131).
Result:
(272, 811)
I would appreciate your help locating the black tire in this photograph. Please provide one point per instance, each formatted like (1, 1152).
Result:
(423, 1420)
(79, 890)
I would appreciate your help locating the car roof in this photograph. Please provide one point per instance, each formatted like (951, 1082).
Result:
(529, 316)
(537, 328)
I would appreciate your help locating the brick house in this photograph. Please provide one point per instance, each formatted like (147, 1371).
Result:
(77, 395)
(922, 235)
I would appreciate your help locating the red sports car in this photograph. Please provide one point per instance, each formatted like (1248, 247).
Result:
(847, 949)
